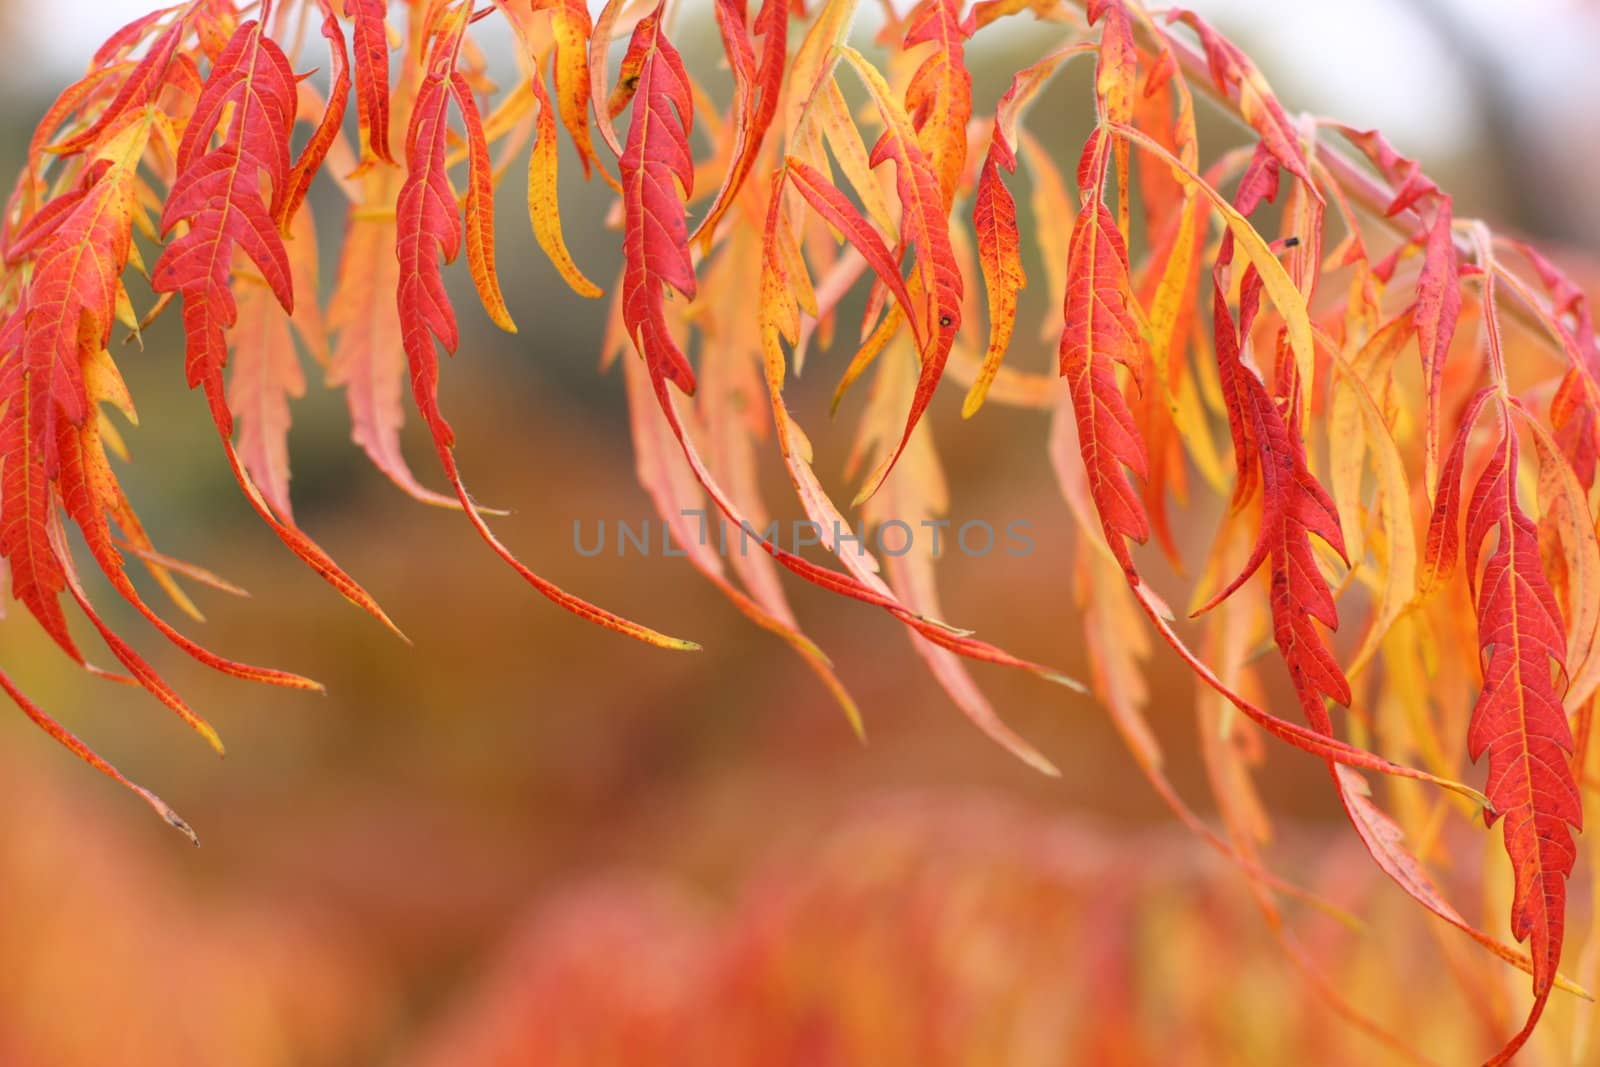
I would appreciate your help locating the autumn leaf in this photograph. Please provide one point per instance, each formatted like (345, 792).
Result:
(1438, 307)
(776, 216)
(368, 357)
(938, 96)
(994, 217)
(571, 25)
(1518, 720)
(1236, 76)
(68, 305)
(657, 176)
(217, 193)
(1000, 257)
(1294, 508)
(914, 497)
(543, 197)
(671, 482)
(322, 137)
(371, 77)
(137, 89)
(757, 85)
(924, 225)
(1100, 334)
(428, 229)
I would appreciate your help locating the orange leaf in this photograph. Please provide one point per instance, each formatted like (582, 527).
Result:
(544, 197)
(757, 86)
(428, 227)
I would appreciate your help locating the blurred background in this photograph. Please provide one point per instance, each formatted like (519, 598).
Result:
(524, 840)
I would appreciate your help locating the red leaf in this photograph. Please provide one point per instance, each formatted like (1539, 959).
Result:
(925, 229)
(757, 86)
(1238, 78)
(218, 193)
(369, 356)
(140, 87)
(657, 177)
(1518, 719)
(88, 491)
(70, 742)
(428, 228)
(69, 305)
(1101, 332)
(322, 138)
(1294, 508)
(372, 76)
(1442, 549)
(1404, 175)
(994, 218)
(27, 435)
(836, 209)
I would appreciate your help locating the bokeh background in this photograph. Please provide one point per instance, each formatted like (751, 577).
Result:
(524, 840)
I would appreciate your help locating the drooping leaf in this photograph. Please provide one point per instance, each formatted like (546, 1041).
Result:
(1101, 334)
(1294, 508)
(543, 197)
(1518, 720)
(924, 225)
(68, 307)
(248, 107)
(938, 97)
(371, 38)
(657, 177)
(1239, 78)
(571, 25)
(210, 114)
(1000, 257)
(428, 229)
(994, 217)
(315, 152)
(1438, 308)
(757, 85)
(368, 358)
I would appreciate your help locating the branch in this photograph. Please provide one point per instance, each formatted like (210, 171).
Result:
(1359, 184)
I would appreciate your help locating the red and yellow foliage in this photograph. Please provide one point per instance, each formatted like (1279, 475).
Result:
(1374, 363)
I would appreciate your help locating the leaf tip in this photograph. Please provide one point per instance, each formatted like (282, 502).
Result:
(383, 617)
(172, 818)
(1043, 766)
(1065, 680)
(214, 739)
